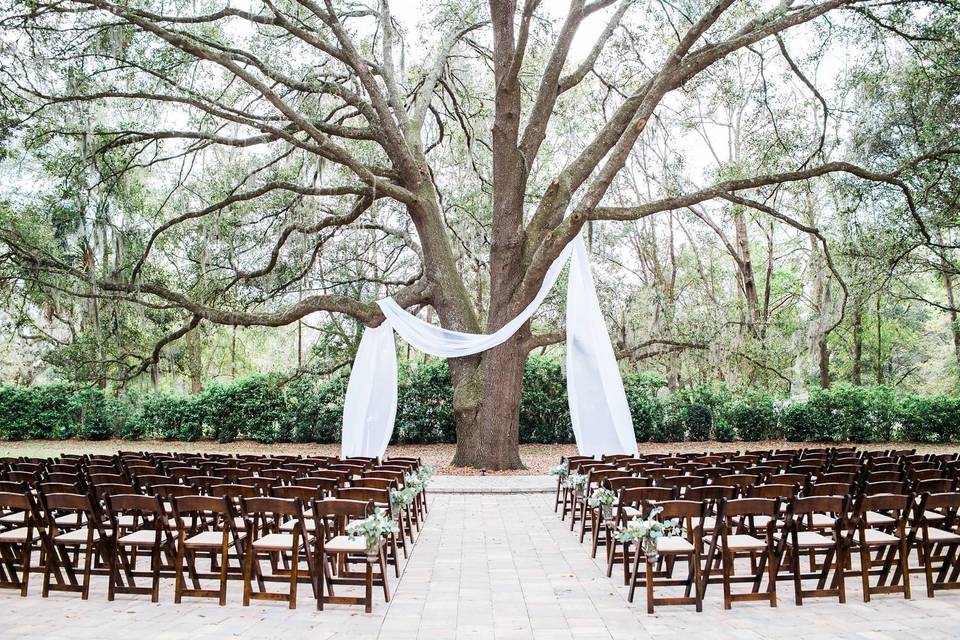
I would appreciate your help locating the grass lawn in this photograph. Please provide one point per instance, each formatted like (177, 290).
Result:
(538, 458)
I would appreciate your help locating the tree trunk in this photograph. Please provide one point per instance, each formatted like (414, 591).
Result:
(856, 368)
(954, 326)
(194, 362)
(487, 406)
(879, 344)
(823, 352)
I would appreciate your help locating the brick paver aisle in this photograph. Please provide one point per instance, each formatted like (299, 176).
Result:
(498, 567)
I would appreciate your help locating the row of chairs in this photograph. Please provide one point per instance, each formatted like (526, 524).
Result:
(877, 527)
(259, 529)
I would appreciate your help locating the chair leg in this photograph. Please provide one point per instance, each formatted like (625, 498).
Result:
(224, 567)
(368, 594)
(905, 566)
(865, 571)
(247, 570)
(649, 574)
(294, 569)
(25, 574)
(383, 574)
(178, 576)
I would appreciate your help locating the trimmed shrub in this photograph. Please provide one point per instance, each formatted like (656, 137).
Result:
(747, 416)
(250, 409)
(425, 405)
(646, 408)
(929, 418)
(544, 409)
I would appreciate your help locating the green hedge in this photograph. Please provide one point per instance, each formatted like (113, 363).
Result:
(267, 409)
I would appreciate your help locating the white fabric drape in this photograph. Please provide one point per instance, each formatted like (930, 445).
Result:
(445, 343)
(598, 404)
(370, 407)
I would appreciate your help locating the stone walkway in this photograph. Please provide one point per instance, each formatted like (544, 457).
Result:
(498, 567)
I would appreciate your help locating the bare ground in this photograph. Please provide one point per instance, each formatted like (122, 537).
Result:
(538, 458)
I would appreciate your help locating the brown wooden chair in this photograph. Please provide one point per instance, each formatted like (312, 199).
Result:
(148, 530)
(338, 550)
(86, 537)
(800, 536)
(669, 549)
(205, 524)
(16, 544)
(887, 538)
(737, 535)
(631, 502)
(264, 516)
(945, 535)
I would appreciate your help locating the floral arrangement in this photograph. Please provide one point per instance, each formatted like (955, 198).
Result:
(373, 528)
(575, 481)
(562, 470)
(402, 498)
(425, 474)
(602, 497)
(413, 482)
(646, 531)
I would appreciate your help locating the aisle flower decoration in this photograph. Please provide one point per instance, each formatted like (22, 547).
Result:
(412, 481)
(402, 498)
(562, 470)
(425, 475)
(603, 498)
(374, 528)
(577, 482)
(646, 531)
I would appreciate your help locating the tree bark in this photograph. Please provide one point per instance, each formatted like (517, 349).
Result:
(856, 368)
(954, 326)
(194, 361)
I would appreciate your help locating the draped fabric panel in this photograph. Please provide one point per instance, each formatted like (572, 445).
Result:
(445, 343)
(598, 404)
(370, 407)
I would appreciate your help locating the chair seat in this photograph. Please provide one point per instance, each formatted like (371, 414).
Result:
(673, 544)
(141, 538)
(942, 535)
(878, 519)
(76, 536)
(275, 542)
(18, 535)
(934, 516)
(19, 517)
(344, 544)
(820, 521)
(874, 537)
(808, 540)
(310, 525)
(743, 542)
(205, 540)
(709, 523)
(69, 519)
(631, 512)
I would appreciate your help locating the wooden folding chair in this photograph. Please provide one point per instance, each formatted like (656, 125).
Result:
(669, 549)
(801, 534)
(16, 544)
(149, 530)
(738, 534)
(880, 523)
(85, 536)
(944, 535)
(336, 548)
(264, 517)
(204, 524)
